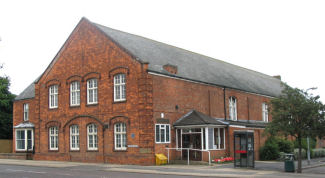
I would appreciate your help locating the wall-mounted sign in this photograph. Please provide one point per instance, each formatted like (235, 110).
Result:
(133, 146)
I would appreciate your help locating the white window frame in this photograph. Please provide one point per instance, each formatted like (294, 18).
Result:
(25, 139)
(75, 135)
(54, 136)
(119, 87)
(217, 147)
(92, 85)
(53, 96)
(162, 128)
(265, 112)
(92, 131)
(75, 93)
(122, 134)
(26, 111)
(232, 108)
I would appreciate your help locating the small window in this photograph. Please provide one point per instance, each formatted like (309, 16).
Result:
(75, 93)
(53, 138)
(92, 91)
(92, 137)
(26, 112)
(162, 133)
(233, 108)
(219, 138)
(53, 96)
(24, 140)
(120, 136)
(265, 112)
(74, 137)
(119, 87)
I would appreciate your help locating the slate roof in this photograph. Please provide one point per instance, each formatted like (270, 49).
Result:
(191, 66)
(29, 92)
(197, 118)
(194, 66)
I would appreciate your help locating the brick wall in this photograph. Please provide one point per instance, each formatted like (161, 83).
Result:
(87, 54)
(175, 97)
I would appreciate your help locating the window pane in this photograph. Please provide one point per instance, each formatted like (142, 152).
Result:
(162, 134)
(167, 133)
(157, 133)
(222, 140)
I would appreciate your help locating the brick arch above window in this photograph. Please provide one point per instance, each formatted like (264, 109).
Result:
(53, 124)
(83, 116)
(118, 70)
(91, 75)
(73, 78)
(52, 82)
(119, 119)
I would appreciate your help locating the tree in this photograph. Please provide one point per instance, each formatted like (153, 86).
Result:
(297, 113)
(6, 108)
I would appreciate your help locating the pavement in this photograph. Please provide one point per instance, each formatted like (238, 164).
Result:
(262, 168)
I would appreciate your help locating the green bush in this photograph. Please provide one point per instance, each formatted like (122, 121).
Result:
(312, 143)
(269, 152)
(319, 152)
(285, 146)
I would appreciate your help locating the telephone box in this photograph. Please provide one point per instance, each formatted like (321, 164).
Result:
(244, 149)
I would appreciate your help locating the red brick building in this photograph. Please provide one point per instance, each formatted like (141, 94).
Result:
(110, 96)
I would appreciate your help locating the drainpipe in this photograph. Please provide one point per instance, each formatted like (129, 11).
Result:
(224, 102)
(225, 114)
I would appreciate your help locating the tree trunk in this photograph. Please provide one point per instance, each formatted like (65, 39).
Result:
(299, 155)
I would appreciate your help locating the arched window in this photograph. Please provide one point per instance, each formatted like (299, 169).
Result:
(233, 108)
(74, 137)
(75, 93)
(265, 112)
(92, 86)
(53, 138)
(119, 87)
(92, 137)
(120, 136)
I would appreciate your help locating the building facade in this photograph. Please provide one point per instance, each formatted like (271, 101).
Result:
(109, 96)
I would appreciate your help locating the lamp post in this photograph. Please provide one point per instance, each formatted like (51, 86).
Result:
(308, 148)
(308, 151)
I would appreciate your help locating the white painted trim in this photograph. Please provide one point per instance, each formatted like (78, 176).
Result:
(120, 86)
(164, 131)
(187, 80)
(54, 135)
(120, 133)
(93, 134)
(55, 95)
(93, 88)
(200, 126)
(237, 126)
(206, 138)
(77, 146)
(25, 139)
(74, 91)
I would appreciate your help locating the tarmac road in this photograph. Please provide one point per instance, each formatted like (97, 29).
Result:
(9, 171)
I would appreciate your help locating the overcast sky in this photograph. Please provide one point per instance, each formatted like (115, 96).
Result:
(276, 37)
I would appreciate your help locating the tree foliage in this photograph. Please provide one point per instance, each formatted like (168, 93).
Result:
(6, 108)
(299, 114)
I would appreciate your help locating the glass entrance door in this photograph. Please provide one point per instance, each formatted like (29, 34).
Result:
(244, 149)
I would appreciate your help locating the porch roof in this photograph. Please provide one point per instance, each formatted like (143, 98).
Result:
(197, 118)
(24, 125)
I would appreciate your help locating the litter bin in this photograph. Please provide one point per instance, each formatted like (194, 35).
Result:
(161, 159)
(289, 163)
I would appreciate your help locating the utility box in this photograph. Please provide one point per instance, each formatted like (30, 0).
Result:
(161, 159)
(289, 163)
